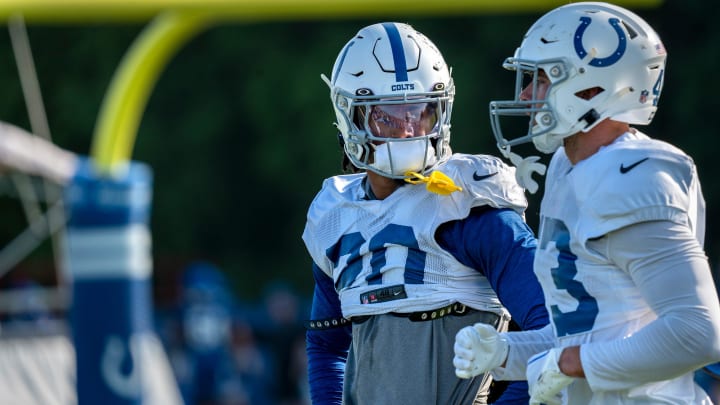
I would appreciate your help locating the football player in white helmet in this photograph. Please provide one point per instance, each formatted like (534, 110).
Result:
(414, 245)
(620, 257)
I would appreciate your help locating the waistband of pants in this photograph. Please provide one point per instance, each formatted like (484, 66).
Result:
(455, 309)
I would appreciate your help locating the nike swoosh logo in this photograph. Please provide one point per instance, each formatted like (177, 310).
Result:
(624, 169)
(478, 177)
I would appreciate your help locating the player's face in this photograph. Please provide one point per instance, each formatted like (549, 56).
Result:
(402, 120)
(537, 90)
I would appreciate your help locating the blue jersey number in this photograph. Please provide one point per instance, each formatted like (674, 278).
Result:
(350, 245)
(583, 318)
(657, 88)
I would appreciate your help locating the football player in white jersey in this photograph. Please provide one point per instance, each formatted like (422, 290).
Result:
(620, 256)
(414, 245)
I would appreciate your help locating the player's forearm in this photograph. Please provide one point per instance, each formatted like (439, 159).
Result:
(326, 349)
(523, 345)
(673, 276)
(647, 356)
(325, 376)
(327, 352)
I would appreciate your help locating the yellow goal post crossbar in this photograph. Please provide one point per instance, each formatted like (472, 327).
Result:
(174, 22)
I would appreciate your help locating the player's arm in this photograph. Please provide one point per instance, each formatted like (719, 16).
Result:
(502, 247)
(508, 265)
(673, 275)
(499, 243)
(327, 349)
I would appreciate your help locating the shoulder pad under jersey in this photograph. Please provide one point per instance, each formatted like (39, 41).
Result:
(634, 181)
(485, 180)
(335, 192)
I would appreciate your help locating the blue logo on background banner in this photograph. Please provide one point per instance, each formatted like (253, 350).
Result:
(111, 303)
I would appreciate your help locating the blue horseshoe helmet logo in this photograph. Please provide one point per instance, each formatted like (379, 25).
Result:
(600, 62)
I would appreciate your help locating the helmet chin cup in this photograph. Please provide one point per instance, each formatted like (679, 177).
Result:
(547, 143)
(396, 158)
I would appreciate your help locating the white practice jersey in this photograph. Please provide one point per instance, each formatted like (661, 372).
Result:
(374, 249)
(635, 179)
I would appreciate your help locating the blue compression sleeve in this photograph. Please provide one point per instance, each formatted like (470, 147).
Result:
(327, 349)
(498, 243)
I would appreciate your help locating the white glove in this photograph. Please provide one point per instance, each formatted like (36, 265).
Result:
(478, 349)
(524, 169)
(545, 380)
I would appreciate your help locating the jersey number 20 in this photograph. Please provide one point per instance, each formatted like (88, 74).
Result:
(352, 244)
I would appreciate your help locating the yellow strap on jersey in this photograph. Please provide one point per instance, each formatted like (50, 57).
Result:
(437, 182)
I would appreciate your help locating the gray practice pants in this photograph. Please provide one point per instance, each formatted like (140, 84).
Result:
(394, 360)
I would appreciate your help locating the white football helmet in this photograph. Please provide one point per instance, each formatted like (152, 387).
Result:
(583, 46)
(392, 94)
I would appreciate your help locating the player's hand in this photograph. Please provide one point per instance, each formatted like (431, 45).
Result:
(478, 349)
(545, 380)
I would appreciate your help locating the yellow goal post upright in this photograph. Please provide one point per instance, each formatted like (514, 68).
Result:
(108, 253)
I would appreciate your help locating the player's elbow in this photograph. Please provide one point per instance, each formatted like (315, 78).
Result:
(698, 332)
(711, 348)
(713, 342)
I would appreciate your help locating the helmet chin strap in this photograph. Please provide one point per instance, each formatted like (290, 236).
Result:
(524, 169)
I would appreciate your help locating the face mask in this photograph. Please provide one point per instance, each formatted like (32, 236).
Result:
(406, 156)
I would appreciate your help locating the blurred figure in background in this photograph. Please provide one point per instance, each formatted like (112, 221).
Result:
(280, 327)
(198, 331)
(227, 352)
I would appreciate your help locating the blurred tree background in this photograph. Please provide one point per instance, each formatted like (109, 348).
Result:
(239, 132)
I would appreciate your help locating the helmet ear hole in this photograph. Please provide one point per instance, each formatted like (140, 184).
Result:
(588, 94)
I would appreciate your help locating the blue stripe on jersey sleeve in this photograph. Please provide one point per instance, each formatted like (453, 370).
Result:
(499, 244)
